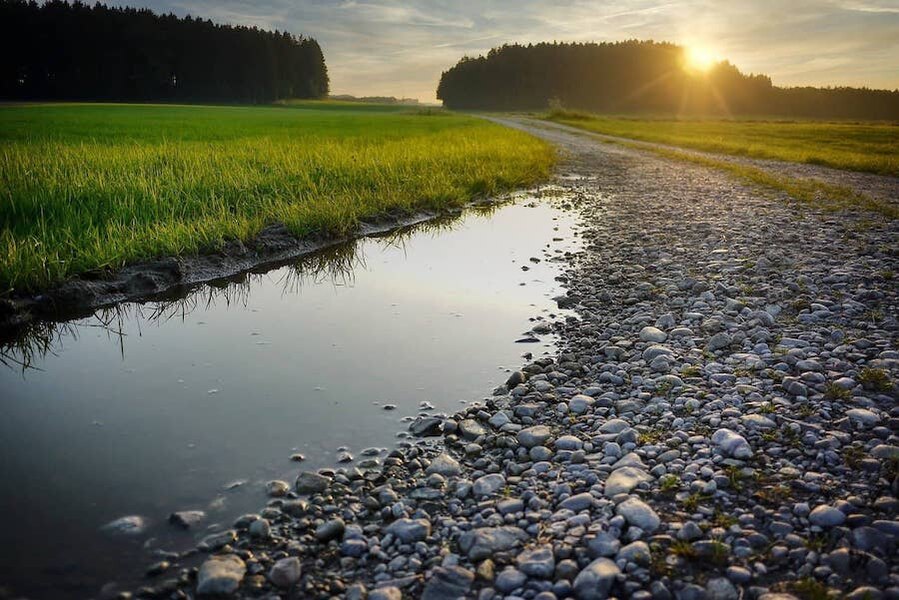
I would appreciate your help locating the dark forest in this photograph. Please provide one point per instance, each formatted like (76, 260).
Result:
(640, 76)
(62, 51)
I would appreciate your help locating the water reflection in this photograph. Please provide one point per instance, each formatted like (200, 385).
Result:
(23, 347)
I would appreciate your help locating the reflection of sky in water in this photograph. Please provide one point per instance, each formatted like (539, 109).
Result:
(228, 383)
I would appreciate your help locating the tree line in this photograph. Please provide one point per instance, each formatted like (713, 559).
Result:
(57, 50)
(640, 76)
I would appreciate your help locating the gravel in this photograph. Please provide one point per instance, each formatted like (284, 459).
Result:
(719, 420)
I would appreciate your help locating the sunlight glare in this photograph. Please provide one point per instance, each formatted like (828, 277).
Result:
(699, 58)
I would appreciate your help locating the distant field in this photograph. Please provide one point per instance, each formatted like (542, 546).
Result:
(86, 187)
(869, 147)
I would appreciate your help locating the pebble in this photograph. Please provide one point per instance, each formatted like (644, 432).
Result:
(488, 484)
(595, 581)
(130, 525)
(826, 516)
(185, 519)
(409, 531)
(277, 488)
(537, 562)
(445, 465)
(311, 483)
(639, 514)
(732, 444)
(285, 573)
(220, 575)
(537, 435)
(330, 530)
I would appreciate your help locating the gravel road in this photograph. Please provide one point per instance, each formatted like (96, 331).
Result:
(720, 422)
(881, 187)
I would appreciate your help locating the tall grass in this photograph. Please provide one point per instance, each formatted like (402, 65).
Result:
(870, 147)
(87, 187)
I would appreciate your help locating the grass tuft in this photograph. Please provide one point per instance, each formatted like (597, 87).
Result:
(875, 379)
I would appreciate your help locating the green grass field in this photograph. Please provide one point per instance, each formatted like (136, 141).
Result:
(869, 147)
(87, 187)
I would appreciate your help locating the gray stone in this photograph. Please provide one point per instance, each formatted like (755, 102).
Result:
(130, 525)
(311, 483)
(186, 519)
(863, 416)
(353, 547)
(499, 419)
(471, 429)
(388, 592)
(639, 514)
(624, 480)
(509, 579)
(409, 531)
(568, 442)
(426, 426)
(578, 502)
(614, 426)
(260, 529)
(732, 444)
(537, 435)
(285, 572)
(826, 516)
(445, 465)
(448, 583)
(595, 581)
(539, 453)
(885, 452)
(603, 544)
(652, 334)
(720, 588)
(483, 543)
(580, 404)
(718, 341)
(654, 352)
(277, 488)
(756, 421)
(537, 562)
(220, 575)
(330, 530)
(509, 506)
(689, 531)
(488, 484)
(636, 552)
(214, 541)
(515, 378)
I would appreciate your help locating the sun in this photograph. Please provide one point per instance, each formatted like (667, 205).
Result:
(699, 59)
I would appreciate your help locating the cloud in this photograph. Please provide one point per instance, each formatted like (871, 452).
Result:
(393, 47)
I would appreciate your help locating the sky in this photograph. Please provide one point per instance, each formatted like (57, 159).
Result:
(400, 48)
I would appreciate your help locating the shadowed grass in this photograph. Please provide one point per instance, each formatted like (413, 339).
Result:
(87, 187)
(870, 147)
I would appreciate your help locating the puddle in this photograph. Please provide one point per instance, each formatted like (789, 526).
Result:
(194, 403)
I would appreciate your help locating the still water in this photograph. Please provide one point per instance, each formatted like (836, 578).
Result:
(194, 403)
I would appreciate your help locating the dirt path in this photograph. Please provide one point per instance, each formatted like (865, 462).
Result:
(877, 186)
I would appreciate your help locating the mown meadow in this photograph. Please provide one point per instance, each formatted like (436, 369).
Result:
(91, 187)
(869, 146)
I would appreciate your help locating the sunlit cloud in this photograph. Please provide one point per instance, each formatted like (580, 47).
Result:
(391, 47)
